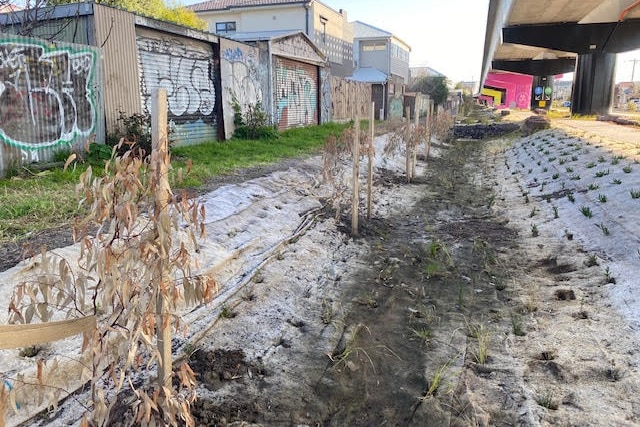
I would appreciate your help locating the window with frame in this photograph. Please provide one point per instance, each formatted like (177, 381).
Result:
(374, 46)
(225, 27)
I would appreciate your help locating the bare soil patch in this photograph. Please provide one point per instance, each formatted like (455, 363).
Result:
(447, 310)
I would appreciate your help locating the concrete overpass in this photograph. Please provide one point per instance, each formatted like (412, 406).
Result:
(547, 37)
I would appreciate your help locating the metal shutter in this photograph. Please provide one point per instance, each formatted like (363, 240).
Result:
(296, 93)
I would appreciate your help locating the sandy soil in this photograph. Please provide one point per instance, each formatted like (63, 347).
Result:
(478, 294)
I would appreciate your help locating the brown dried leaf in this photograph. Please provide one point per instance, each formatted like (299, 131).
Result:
(70, 159)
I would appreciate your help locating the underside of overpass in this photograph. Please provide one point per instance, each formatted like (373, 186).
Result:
(549, 37)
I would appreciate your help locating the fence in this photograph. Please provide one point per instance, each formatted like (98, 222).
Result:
(49, 98)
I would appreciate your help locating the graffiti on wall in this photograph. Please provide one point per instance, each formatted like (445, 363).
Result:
(325, 94)
(186, 72)
(348, 96)
(46, 93)
(296, 95)
(396, 106)
(244, 79)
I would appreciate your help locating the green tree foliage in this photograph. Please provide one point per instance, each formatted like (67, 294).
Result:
(157, 9)
(435, 87)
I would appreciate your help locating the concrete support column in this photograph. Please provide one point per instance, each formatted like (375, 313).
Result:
(593, 84)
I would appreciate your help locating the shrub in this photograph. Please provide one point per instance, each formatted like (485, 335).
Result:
(253, 124)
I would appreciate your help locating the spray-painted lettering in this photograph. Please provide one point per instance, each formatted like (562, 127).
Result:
(296, 95)
(244, 76)
(186, 74)
(46, 94)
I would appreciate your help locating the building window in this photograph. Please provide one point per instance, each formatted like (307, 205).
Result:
(225, 27)
(323, 22)
(374, 46)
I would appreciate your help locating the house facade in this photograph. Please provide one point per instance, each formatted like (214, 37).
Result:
(382, 60)
(327, 28)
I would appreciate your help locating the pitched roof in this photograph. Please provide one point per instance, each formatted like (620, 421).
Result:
(230, 4)
(364, 30)
(260, 35)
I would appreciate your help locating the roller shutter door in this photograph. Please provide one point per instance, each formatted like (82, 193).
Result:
(185, 68)
(296, 93)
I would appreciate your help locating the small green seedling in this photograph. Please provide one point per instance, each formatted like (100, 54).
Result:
(604, 229)
(534, 230)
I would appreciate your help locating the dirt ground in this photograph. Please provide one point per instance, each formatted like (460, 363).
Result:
(446, 310)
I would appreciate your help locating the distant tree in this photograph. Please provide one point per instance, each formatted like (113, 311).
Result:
(435, 87)
(157, 9)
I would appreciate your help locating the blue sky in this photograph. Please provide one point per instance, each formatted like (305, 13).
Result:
(447, 35)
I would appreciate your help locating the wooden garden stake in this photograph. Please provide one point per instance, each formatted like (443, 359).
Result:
(428, 125)
(408, 145)
(372, 155)
(160, 170)
(356, 177)
(414, 147)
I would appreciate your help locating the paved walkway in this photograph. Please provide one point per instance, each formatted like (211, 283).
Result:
(609, 130)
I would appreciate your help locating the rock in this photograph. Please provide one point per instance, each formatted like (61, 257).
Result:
(534, 124)
(482, 131)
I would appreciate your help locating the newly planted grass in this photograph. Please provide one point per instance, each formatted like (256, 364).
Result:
(586, 211)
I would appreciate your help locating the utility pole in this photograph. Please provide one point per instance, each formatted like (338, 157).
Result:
(633, 69)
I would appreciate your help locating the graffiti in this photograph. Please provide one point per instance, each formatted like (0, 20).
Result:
(347, 95)
(325, 100)
(395, 107)
(184, 71)
(296, 95)
(46, 93)
(244, 77)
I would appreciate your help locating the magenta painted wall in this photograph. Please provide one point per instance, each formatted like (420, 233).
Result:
(488, 99)
(518, 88)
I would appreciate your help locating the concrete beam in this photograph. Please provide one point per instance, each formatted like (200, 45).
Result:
(608, 37)
(542, 67)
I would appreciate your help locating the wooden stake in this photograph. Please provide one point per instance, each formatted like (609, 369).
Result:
(356, 176)
(372, 156)
(408, 144)
(160, 170)
(428, 125)
(414, 147)
(17, 336)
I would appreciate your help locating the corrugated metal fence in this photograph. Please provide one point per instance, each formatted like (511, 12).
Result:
(49, 98)
(185, 68)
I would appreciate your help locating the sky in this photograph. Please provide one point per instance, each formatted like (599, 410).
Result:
(446, 35)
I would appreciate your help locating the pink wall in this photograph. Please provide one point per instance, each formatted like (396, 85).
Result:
(488, 99)
(518, 88)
